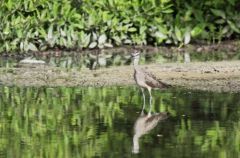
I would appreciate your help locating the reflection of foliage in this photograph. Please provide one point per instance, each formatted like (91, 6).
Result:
(211, 123)
(93, 60)
(56, 118)
(92, 122)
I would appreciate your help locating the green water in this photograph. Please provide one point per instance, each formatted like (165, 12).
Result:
(98, 122)
(95, 59)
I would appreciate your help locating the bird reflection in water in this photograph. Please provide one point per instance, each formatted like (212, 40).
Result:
(144, 124)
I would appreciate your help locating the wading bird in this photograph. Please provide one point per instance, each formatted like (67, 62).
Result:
(143, 125)
(144, 79)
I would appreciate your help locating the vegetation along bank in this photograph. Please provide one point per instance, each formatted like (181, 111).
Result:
(38, 25)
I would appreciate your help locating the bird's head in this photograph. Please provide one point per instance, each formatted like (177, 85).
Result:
(135, 57)
(136, 53)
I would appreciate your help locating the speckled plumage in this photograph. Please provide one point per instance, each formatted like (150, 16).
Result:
(145, 79)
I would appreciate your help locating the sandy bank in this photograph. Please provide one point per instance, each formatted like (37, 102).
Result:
(211, 76)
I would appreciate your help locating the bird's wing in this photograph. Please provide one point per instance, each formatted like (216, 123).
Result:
(151, 123)
(153, 120)
(152, 81)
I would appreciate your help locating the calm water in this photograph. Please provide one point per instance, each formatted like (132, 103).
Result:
(99, 122)
(95, 59)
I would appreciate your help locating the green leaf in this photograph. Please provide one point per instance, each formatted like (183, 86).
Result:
(85, 39)
(167, 11)
(132, 29)
(32, 47)
(109, 45)
(102, 39)
(117, 39)
(160, 35)
(197, 30)
(21, 46)
(50, 33)
(9, 4)
(105, 16)
(43, 14)
(143, 29)
(178, 33)
(187, 37)
(219, 13)
(42, 32)
(31, 6)
(63, 41)
(128, 41)
(55, 9)
(63, 32)
(25, 46)
(111, 3)
(233, 26)
(220, 21)
(100, 46)
(6, 29)
(225, 30)
(92, 45)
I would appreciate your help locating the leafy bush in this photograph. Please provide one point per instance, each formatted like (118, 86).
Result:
(208, 20)
(37, 25)
(32, 25)
(126, 22)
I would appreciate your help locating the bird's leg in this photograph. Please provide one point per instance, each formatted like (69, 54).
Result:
(150, 101)
(142, 89)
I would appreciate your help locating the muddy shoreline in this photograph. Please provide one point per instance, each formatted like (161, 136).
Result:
(221, 76)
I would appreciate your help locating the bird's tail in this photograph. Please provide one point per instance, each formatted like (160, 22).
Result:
(167, 85)
(164, 85)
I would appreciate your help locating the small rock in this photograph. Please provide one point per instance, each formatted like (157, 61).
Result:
(199, 49)
(32, 61)
(216, 70)
(207, 71)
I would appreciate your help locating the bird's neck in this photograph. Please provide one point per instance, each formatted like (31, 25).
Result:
(135, 66)
(135, 62)
(136, 143)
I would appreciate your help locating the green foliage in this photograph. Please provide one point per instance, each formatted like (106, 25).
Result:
(36, 25)
(209, 20)
(125, 22)
(32, 25)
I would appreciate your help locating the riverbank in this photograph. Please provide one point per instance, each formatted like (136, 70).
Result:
(221, 76)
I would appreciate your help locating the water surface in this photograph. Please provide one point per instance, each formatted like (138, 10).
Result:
(98, 59)
(98, 122)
